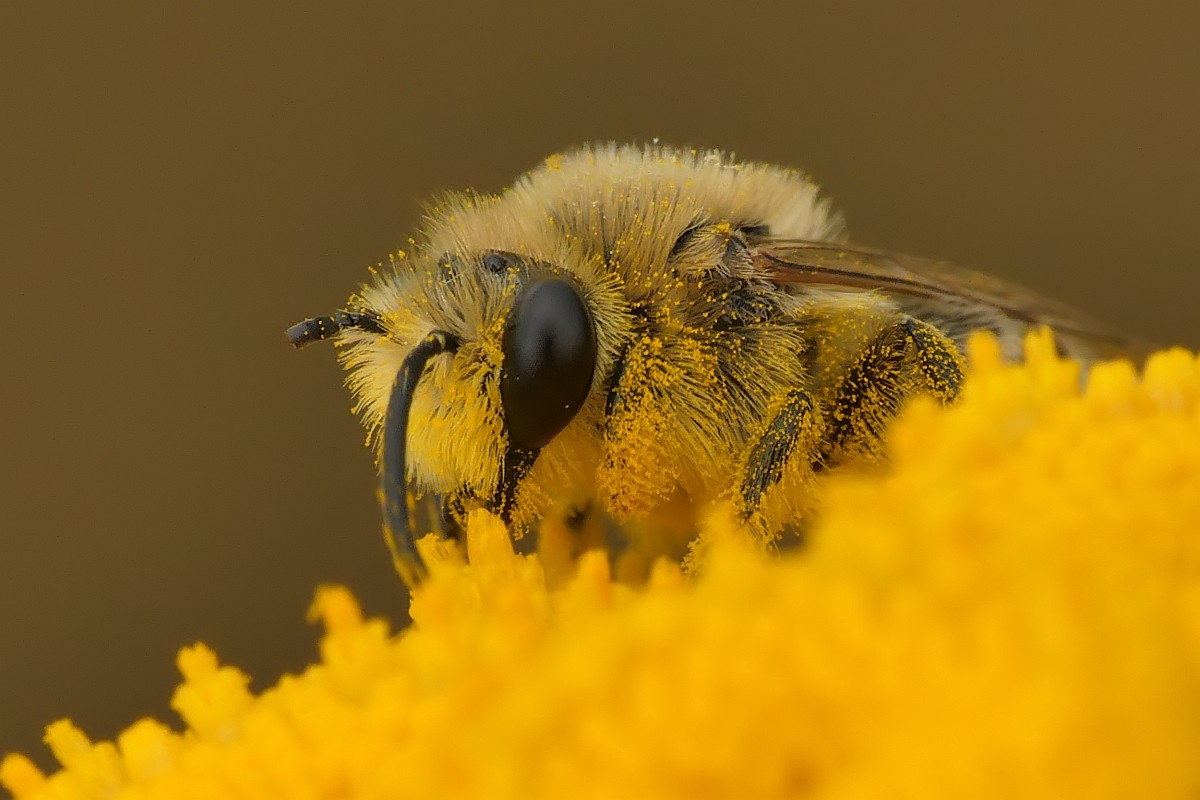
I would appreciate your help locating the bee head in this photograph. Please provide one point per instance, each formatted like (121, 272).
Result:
(520, 374)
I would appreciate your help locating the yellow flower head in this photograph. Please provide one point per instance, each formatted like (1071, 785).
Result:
(1012, 609)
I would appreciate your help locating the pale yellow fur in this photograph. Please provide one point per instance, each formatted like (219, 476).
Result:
(609, 216)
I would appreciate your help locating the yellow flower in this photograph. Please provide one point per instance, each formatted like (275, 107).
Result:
(1012, 609)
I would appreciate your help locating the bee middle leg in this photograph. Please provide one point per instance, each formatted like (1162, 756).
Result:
(773, 495)
(794, 426)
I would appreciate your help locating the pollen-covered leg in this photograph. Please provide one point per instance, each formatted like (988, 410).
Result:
(778, 471)
(905, 358)
(787, 444)
(642, 464)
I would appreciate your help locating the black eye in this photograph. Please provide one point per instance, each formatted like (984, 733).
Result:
(496, 263)
(549, 357)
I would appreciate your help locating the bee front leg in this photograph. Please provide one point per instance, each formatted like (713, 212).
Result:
(904, 358)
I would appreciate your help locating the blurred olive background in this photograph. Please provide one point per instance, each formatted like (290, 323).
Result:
(181, 182)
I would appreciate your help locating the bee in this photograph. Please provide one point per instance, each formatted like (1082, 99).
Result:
(628, 326)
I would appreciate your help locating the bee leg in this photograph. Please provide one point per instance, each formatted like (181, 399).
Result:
(453, 512)
(641, 464)
(795, 424)
(906, 357)
(517, 464)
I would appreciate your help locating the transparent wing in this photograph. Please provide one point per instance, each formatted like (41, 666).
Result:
(925, 282)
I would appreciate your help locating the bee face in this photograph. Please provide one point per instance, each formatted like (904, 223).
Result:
(626, 326)
(524, 362)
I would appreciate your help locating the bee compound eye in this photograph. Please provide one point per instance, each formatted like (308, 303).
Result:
(549, 356)
(496, 263)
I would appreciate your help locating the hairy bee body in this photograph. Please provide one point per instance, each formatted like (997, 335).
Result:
(737, 344)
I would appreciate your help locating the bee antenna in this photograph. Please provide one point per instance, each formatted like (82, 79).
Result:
(319, 328)
(393, 497)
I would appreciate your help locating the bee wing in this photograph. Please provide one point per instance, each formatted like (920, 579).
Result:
(924, 283)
